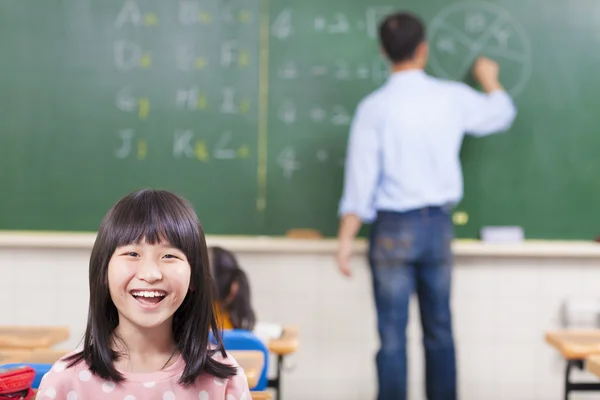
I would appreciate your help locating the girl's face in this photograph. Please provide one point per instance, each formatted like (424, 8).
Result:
(148, 283)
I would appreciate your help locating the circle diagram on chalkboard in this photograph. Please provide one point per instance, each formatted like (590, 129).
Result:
(462, 32)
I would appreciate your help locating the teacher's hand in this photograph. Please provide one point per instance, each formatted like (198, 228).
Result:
(342, 257)
(486, 73)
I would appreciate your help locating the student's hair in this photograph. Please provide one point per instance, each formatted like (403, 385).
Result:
(400, 34)
(153, 216)
(226, 271)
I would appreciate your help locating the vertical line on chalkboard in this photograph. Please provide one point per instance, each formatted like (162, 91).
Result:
(263, 102)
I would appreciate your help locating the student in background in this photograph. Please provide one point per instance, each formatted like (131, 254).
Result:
(403, 174)
(234, 304)
(150, 312)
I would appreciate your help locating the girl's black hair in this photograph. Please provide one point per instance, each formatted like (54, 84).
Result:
(227, 272)
(153, 216)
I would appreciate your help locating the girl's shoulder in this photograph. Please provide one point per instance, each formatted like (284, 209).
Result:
(59, 381)
(68, 365)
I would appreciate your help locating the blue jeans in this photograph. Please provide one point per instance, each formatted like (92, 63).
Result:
(410, 252)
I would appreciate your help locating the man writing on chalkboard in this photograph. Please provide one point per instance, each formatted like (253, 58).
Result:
(403, 175)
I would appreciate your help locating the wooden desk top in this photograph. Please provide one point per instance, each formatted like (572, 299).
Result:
(575, 344)
(288, 343)
(592, 364)
(252, 362)
(32, 337)
(260, 395)
(42, 356)
(6, 356)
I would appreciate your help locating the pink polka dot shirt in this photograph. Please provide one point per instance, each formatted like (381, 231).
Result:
(78, 383)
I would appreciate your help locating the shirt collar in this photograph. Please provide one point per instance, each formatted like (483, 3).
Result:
(407, 74)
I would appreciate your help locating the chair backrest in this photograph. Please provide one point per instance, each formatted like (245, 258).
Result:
(40, 371)
(239, 339)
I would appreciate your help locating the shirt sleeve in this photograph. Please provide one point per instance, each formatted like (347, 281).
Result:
(237, 386)
(485, 113)
(363, 165)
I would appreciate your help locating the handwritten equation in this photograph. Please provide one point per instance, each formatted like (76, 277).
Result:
(290, 161)
(334, 23)
(310, 113)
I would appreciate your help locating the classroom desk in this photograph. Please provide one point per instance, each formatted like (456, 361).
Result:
(252, 362)
(260, 395)
(576, 346)
(41, 356)
(287, 344)
(32, 337)
(592, 364)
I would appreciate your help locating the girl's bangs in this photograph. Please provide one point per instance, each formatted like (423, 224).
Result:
(154, 219)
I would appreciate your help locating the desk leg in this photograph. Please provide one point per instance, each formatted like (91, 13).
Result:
(576, 386)
(570, 364)
(275, 383)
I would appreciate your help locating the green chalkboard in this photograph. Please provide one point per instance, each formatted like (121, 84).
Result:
(244, 108)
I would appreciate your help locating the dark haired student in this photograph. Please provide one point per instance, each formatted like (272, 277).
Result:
(233, 306)
(150, 312)
(403, 175)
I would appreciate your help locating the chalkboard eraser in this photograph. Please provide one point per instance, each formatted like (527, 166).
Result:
(303, 234)
(502, 234)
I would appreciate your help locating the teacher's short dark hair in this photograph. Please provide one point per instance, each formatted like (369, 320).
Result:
(400, 34)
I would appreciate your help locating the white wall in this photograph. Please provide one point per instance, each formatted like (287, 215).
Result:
(502, 307)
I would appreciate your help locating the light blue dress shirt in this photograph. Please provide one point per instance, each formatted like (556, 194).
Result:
(405, 138)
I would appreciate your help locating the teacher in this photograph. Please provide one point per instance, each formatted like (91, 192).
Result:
(403, 175)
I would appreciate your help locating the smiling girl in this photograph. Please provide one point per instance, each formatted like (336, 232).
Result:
(150, 312)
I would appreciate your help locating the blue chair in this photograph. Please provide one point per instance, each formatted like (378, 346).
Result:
(40, 371)
(239, 339)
